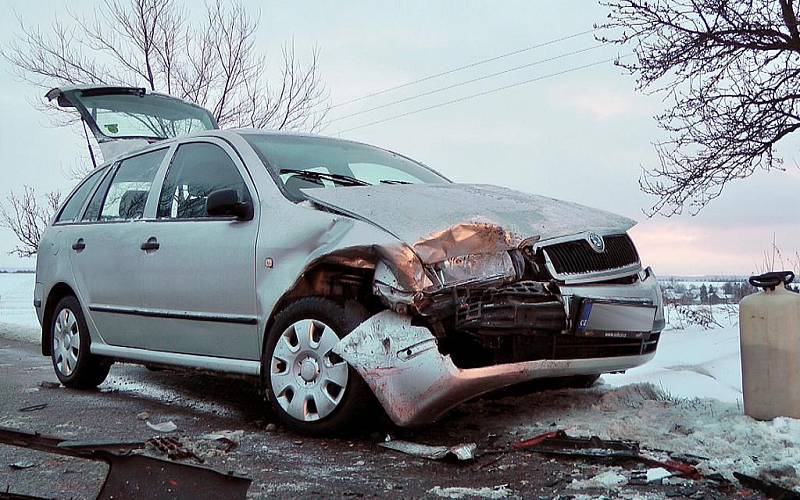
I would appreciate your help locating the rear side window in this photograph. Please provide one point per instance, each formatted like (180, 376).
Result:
(126, 194)
(72, 208)
(197, 170)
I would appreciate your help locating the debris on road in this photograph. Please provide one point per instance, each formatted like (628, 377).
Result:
(609, 479)
(465, 451)
(36, 407)
(168, 426)
(172, 448)
(46, 384)
(770, 488)
(228, 439)
(143, 415)
(559, 443)
(131, 475)
(500, 491)
(233, 436)
(23, 465)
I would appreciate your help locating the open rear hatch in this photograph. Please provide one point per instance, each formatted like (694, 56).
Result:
(126, 118)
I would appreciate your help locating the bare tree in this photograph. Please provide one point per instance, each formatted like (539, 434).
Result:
(213, 62)
(730, 73)
(27, 215)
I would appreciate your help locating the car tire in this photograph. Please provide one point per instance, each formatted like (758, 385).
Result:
(311, 389)
(75, 366)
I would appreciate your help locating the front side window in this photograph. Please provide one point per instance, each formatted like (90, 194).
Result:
(72, 208)
(127, 193)
(317, 162)
(197, 170)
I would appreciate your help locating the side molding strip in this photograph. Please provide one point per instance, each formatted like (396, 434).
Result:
(229, 365)
(166, 313)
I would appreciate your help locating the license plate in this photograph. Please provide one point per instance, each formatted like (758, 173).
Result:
(615, 319)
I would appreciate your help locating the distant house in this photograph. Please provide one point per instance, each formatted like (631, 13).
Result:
(721, 298)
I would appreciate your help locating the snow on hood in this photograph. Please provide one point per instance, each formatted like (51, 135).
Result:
(442, 220)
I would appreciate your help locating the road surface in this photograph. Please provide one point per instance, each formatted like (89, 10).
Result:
(280, 462)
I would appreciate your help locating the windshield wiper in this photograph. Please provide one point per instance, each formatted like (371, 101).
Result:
(337, 178)
(393, 181)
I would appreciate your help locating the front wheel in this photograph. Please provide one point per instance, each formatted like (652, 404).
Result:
(311, 388)
(75, 366)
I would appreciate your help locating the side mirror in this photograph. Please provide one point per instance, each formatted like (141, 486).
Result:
(226, 203)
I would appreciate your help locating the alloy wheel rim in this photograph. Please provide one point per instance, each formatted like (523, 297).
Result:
(308, 379)
(66, 342)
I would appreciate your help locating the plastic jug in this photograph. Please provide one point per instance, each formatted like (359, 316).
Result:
(769, 332)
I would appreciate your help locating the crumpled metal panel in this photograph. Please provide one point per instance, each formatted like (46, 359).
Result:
(416, 384)
(137, 476)
(444, 220)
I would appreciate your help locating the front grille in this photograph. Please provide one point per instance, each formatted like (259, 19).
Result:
(523, 305)
(578, 257)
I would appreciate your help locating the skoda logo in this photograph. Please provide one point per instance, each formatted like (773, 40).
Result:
(597, 242)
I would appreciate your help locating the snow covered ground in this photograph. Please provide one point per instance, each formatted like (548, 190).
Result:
(694, 362)
(17, 316)
(719, 434)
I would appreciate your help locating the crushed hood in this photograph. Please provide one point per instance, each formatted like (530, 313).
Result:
(444, 220)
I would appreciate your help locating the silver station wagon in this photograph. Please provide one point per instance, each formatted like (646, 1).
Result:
(343, 276)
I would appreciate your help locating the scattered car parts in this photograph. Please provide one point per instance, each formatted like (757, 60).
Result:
(137, 476)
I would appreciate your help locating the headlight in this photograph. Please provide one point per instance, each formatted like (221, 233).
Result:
(474, 267)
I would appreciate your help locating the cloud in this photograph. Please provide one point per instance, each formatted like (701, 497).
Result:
(599, 103)
(687, 248)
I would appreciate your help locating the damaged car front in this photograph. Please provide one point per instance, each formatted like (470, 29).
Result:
(492, 287)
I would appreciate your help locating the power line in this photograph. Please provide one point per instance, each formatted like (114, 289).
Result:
(466, 66)
(480, 94)
(467, 82)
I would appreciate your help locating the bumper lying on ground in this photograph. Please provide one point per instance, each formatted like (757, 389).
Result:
(416, 384)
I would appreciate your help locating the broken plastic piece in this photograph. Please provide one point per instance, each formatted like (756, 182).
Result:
(40, 406)
(23, 465)
(559, 443)
(167, 426)
(464, 451)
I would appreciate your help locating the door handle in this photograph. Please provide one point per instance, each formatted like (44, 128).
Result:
(151, 244)
(79, 245)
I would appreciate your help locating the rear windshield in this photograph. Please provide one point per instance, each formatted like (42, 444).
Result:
(149, 115)
(318, 162)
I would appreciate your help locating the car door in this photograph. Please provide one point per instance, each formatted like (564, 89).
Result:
(106, 255)
(199, 280)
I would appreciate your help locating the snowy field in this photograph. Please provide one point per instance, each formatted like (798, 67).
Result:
(17, 316)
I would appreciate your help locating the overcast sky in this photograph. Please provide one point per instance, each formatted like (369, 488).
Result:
(582, 136)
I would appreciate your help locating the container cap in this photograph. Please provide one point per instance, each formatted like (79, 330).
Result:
(772, 280)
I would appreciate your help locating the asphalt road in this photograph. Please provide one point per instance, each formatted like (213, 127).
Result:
(280, 462)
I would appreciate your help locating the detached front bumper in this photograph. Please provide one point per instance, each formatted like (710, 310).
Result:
(416, 383)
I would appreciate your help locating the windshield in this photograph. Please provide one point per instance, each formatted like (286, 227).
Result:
(318, 162)
(150, 115)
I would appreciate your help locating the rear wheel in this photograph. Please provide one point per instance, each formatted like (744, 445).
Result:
(75, 366)
(311, 388)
